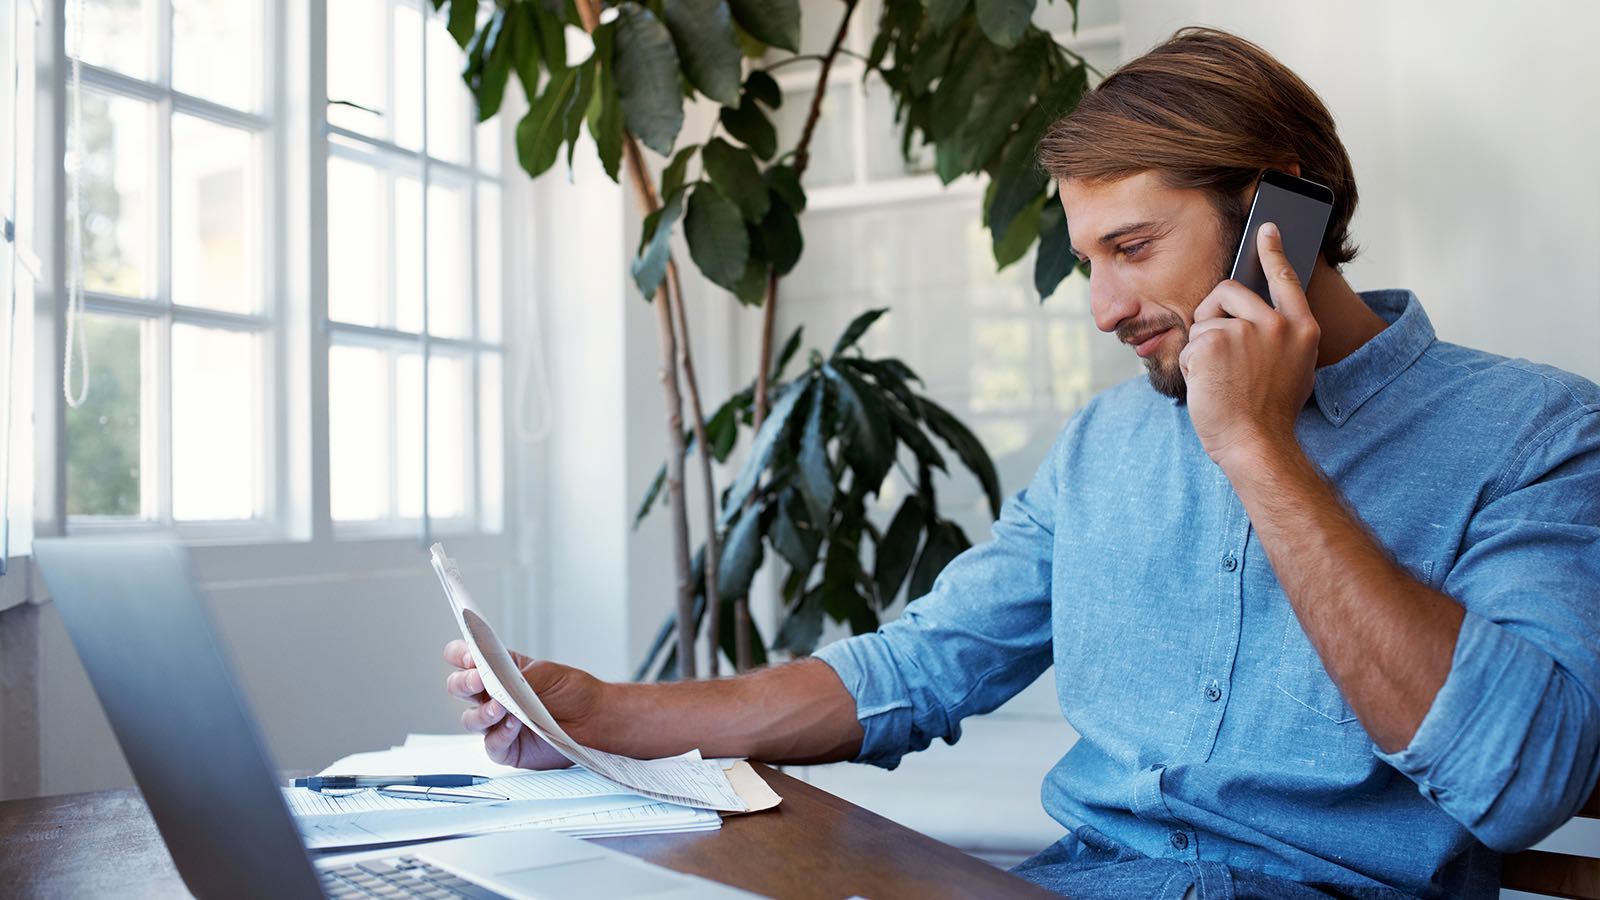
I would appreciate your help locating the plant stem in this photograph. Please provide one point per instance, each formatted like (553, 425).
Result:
(769, 303)
(673, 355)
(713, 556)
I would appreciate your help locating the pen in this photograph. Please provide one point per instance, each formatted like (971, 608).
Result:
(348, 782)
(447, 795)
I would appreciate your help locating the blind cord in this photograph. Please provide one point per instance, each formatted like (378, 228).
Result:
(75, 279)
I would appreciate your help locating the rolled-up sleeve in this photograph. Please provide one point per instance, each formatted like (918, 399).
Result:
(1511, 745)
(977, 638)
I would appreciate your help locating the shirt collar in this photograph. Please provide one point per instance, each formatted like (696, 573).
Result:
(1343, 387)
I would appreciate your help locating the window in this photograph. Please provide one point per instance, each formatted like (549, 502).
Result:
(179, 321)
(882, 232)
(414, 278)
(193, 323)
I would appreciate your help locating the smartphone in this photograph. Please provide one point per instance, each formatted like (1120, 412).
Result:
(1300, 209)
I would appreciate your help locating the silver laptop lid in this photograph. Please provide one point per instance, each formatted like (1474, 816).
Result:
(138, 622)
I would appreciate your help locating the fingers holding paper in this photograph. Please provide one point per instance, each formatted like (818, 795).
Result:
(571, 695)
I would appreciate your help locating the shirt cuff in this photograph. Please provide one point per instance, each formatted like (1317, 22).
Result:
(1466, 749)
(883, 706)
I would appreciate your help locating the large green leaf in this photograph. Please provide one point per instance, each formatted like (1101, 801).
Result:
(750, 126)
(605, 108)
(1011, 246)
(785, 182)
(898, 549)
(672, 177)
(870, 449)
(1004, 21)
(762, 448)
(718, 242)
(975, 111)
(522, 31)
(1018, 178)
(794, 539)
(734, 172)
(945, 542)
(764, 87)
(552, 37)
(967, 447)
(781, 239)
(841, 570)
(741, 554)
(541, 131)
(489, 65)
(651, 264)
(702, 30)
(803, 626)
(857, 327)
(463, 20)
(944, 12)
(816, 474)
(1056, 259)
(647, 78)
(775, 22)
(790, 347)
(578, 107)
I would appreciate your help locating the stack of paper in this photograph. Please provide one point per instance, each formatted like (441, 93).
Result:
(573, 801)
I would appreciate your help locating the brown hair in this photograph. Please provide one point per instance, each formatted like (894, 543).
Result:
(1206, 109)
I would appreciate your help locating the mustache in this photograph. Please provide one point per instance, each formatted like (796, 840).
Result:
(1145, 327)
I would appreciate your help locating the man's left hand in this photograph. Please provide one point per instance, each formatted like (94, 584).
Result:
(1249, 367)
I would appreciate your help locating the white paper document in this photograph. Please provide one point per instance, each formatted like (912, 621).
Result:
(687, 780)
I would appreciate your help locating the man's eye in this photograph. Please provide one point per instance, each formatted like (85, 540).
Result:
(1131, 249)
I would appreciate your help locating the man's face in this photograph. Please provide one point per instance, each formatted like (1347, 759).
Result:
(1155, 252)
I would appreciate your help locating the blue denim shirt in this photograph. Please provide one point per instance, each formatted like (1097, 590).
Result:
(1210, 730)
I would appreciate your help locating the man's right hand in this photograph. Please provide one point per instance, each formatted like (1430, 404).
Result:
(572, 696)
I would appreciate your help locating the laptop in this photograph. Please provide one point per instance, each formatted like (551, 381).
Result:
(136, 616)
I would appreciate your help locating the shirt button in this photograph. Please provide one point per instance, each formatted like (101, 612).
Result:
(1179, 840)
(1229, 563)
(1213, 692)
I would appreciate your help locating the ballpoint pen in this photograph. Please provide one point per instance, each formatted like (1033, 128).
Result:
(443, 794)
(352, 782)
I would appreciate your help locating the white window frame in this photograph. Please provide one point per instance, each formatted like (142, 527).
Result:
(159, 312)
(303, 543)
(388, 155)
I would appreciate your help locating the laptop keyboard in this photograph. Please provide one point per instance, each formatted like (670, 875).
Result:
(399, 876)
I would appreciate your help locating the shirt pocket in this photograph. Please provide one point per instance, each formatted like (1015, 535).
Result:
(1301, 675)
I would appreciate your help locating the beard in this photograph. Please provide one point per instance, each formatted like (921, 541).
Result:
(1167, 377)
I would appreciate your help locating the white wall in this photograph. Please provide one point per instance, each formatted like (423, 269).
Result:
(1473, 133)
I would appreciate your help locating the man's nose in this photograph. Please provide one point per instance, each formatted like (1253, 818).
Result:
(1110, 303)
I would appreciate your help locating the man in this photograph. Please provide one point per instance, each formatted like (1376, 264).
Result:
(1320, 594)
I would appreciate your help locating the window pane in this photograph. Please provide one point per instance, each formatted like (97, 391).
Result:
(116, 194)
(488, 140)
(408, 436)
(491, 442)
(359, 444)
(449, 436)
(104, 435)
(407, 254)
(356, 65)
(490, 263)
(449, 272)
(405, 72)
(450, 104)
(215, 50)
(214, 238)
(117, 34)
(357, 242)
(217, 439)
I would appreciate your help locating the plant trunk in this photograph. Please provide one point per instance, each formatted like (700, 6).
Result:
(713, 545)
(769, 303)
(672, 356)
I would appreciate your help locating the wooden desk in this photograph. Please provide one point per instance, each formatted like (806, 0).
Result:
(814, 844)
